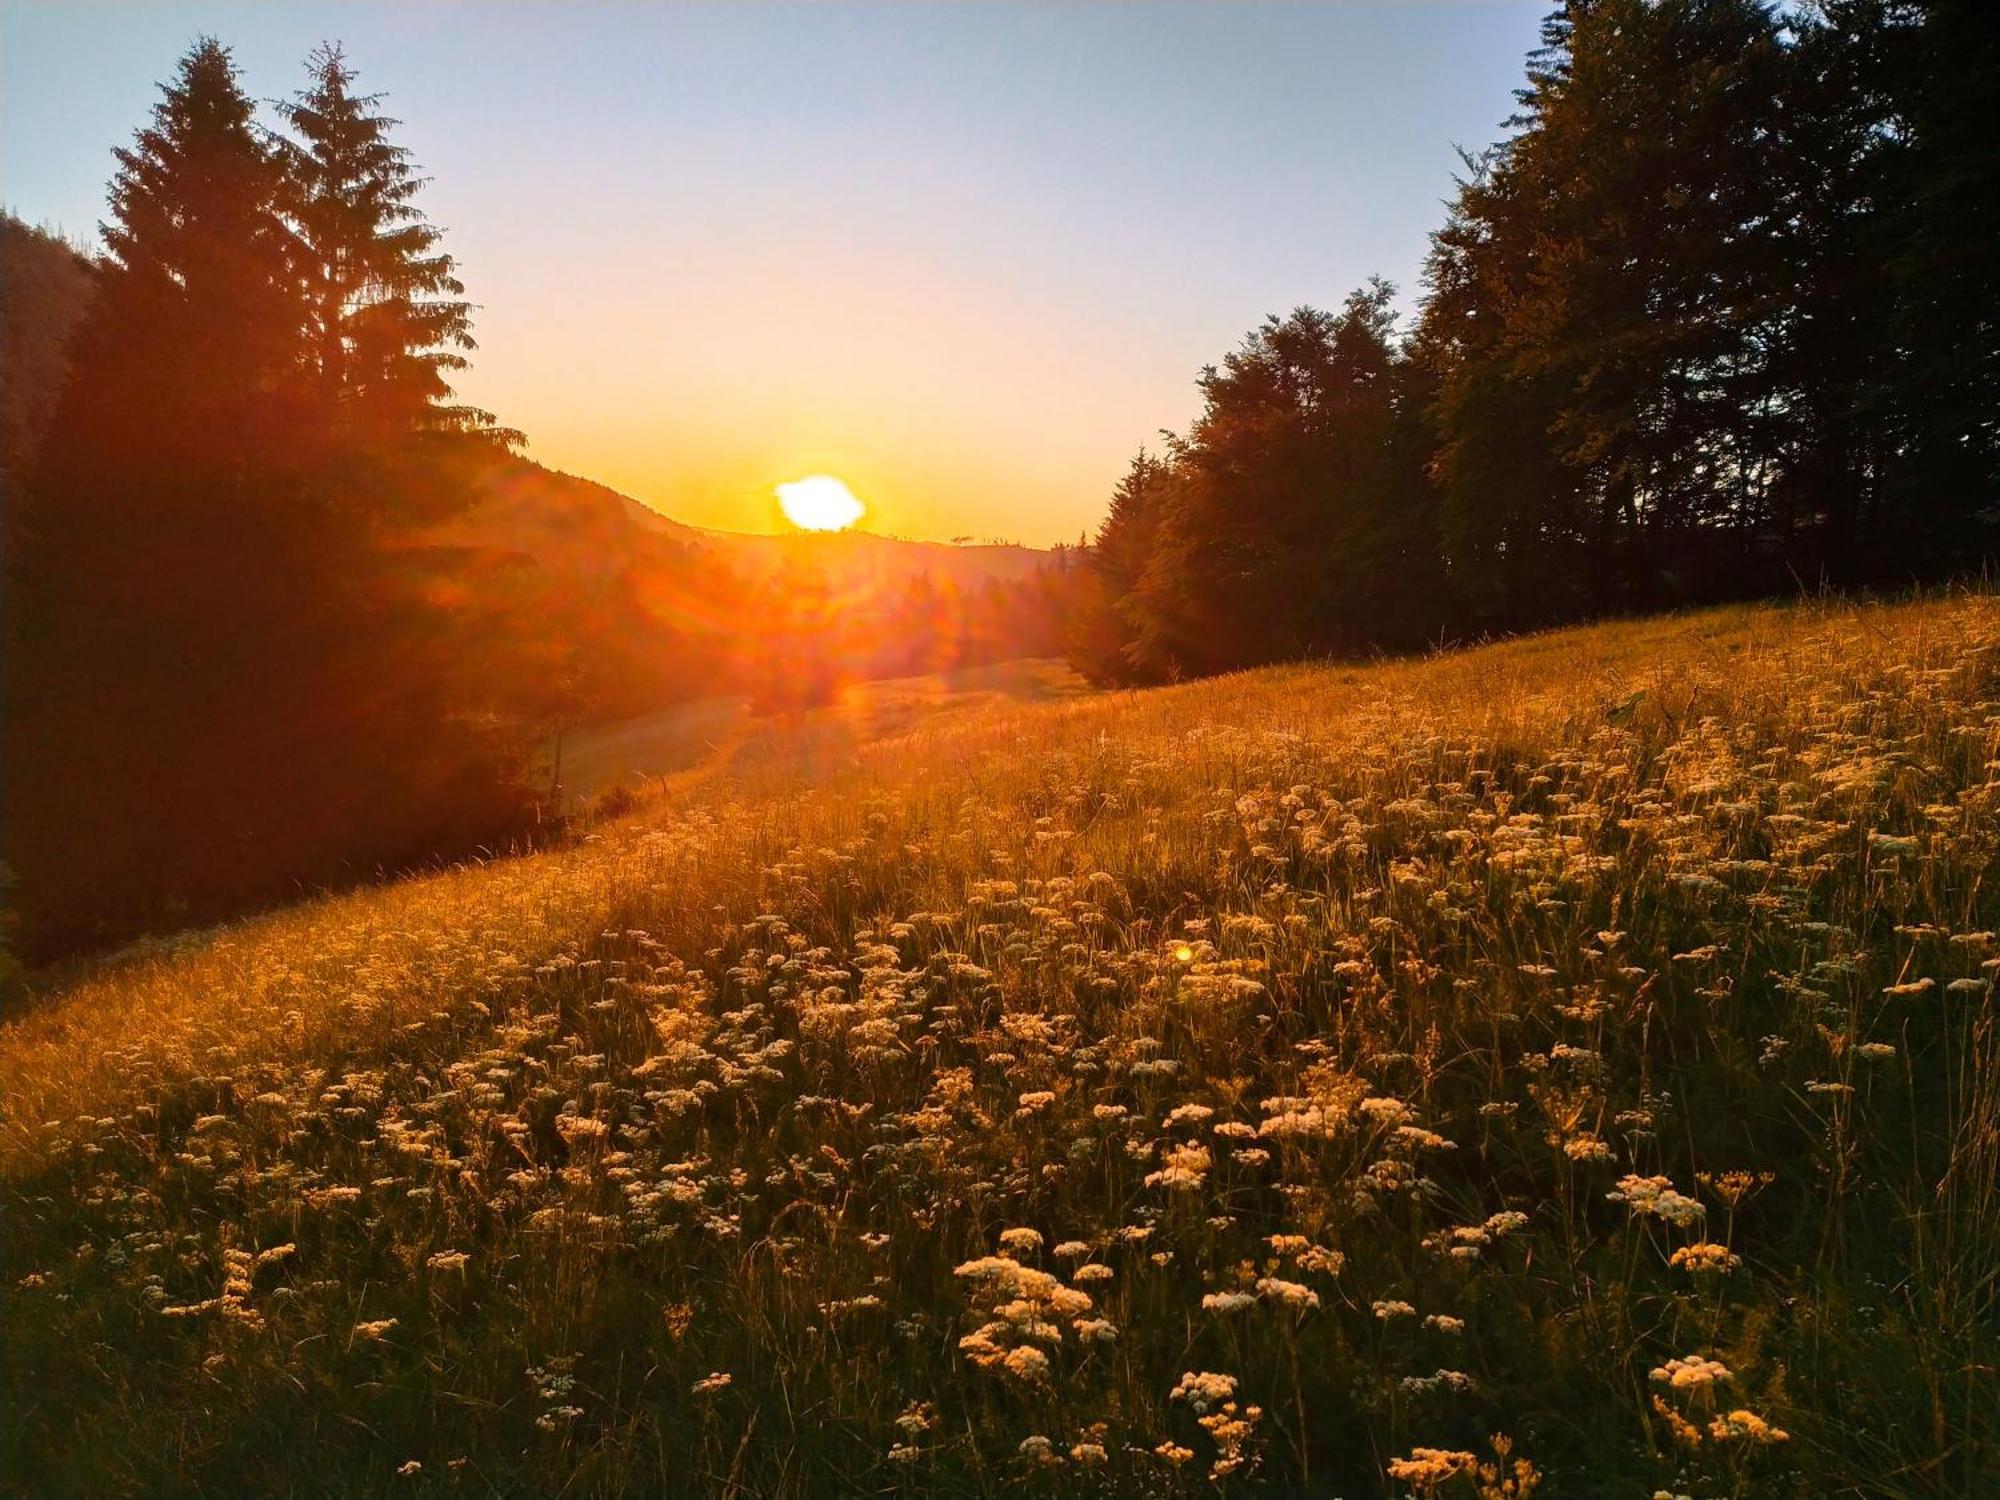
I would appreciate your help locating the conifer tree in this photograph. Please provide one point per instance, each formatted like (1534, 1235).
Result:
(1101, 635)
(148, 555)
(388, 319)
(221, 684)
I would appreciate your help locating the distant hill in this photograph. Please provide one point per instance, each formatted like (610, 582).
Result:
(587, 605)
(577, 524)
(45, 285)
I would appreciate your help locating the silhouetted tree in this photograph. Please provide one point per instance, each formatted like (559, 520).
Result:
(388, 320)
(1293, 519)
(1101, 635)
(1605, 300)
(217, 689)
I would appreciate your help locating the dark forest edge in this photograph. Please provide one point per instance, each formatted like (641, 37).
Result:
(1719, 319)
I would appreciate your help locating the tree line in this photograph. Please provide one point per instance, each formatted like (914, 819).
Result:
(1719, 317)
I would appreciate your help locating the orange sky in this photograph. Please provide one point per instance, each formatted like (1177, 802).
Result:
(935, 394)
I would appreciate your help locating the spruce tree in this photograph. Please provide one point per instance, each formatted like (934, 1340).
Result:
(151, 555)
(389, 322)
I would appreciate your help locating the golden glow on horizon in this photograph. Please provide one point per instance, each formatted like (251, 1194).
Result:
(819, 502)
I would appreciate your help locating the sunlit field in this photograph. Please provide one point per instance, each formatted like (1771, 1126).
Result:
(1566, 1067)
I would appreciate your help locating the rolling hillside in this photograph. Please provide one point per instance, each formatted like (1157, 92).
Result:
(577, 526)
(1562, 1068)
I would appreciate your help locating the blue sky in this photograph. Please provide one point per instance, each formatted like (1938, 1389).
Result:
(968, 256)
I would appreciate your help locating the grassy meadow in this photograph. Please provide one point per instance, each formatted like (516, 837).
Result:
(1565, 1067)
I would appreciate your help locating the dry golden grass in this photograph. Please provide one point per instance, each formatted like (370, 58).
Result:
(1566, 1067)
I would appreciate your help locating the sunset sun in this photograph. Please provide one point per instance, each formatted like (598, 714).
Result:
(819, 502)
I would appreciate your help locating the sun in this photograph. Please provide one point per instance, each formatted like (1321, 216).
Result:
(819, 502)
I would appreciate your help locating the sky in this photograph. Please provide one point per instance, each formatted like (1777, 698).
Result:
(967, 257)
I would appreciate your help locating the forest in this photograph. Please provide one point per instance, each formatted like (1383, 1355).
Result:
(1718, 318)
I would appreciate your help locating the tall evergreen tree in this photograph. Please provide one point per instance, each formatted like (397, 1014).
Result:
(145, 554)
(1946, 265)
(219, 688)
(1608, 293)
(1100, 628)
(388, 322)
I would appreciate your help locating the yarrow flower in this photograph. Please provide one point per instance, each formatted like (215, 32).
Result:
(1691, 1372)
(1026, 1362)
(1186, 1169)
(1204, 1389)
(1742, 1426)
(1430, 1467)
(1288, 1293)
(1656, 1196)
(1706, 1258)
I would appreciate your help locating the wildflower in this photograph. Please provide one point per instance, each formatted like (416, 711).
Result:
(1391, 1309)
(1691, 1372)
(1227, 1302)
(1656, 1196)
(1186, 1169)
(447, 1260)
(1746, 1427)
(1026, 1362)
(1733, 1187)
(1705, 1258)
(1428, 1468)
(1586, 1147)
(376, 1329)
(1288, 1293)
(1204, 1389)
(715, 1380)
(1038, 1450)
(1320, 1260)
(1385, 1111)
(1020, 1241)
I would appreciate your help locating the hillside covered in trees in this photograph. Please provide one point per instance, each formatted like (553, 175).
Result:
(1719, 317)
(281, 610)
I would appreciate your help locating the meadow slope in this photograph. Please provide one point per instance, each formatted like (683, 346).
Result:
(1565, 1067)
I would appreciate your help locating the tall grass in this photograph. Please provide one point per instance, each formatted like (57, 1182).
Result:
(1566, 1067)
